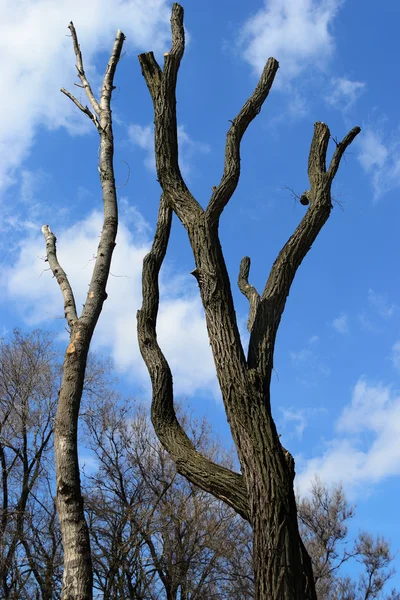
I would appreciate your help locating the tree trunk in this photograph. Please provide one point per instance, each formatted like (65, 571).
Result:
(78, 573)
(263, 493)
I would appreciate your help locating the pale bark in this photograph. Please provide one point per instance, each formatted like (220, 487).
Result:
(78, 576)
(263, 494)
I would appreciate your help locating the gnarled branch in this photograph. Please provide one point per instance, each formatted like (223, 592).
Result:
(284, 269)
(223, 192)
(219, 481)
(162, 88)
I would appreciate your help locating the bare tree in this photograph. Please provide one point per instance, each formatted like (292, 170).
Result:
(323, 521)
(29, 380)
(155, 535)
(78, 576)
(263, 493)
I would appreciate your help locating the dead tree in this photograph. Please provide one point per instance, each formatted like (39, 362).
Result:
(263, 492)
(78, 575)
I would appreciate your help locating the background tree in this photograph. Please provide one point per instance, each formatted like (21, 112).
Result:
(263, 492)
(323, 521)
(78, 574)
(29, 539)
(153, 533)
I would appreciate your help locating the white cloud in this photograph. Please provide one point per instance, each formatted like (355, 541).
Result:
(143, 137)
(36, 60)
(296, 417)
(309, 364)
(181, 326)
(296, 32)
(344, 92)
(365, 449)
(380, 158)
(341, 324)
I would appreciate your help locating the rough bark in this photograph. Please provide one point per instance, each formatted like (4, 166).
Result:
(78, 576)
(263, 494)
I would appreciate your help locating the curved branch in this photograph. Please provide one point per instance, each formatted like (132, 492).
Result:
(60, 275)
(215, 479)
(284, 269)
(162, 88)
(248, 290)
(223, 192)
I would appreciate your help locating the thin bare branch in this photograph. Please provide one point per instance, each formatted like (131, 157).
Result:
(81, 71)
(84, 109)
(248, 290)
(219, 481)
(223, 192)
(60, 275)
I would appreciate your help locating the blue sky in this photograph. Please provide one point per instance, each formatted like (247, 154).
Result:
(336, 395)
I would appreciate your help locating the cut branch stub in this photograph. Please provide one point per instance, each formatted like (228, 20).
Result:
(248, 290)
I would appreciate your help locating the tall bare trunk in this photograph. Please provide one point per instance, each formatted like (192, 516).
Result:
(78, 575)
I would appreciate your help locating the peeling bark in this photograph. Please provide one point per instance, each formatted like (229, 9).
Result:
(263, 493)
(78, 576)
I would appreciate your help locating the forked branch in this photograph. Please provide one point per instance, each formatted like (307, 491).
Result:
(284, 269)
(215, 479)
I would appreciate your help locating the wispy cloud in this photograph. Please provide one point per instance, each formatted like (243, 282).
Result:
(294, 421)
(344, 92)
(296, 32)
(380, 304)
(341, 323)
(143, 137)
(365, 449)
(380, 158)
(36, 59)
(308, 363)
